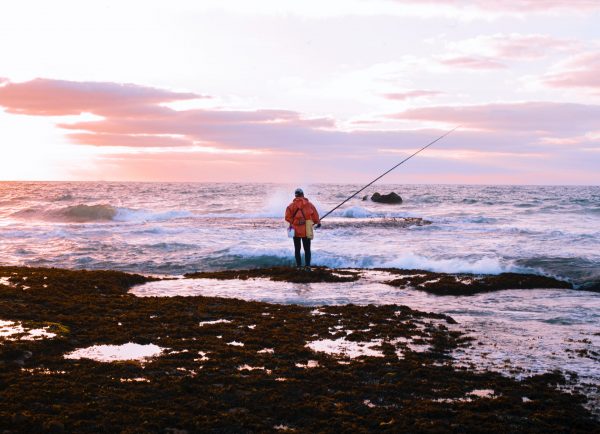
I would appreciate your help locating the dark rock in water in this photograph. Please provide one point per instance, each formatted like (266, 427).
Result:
(391, 198)
(365, 197)
(593, 286)
(281, 274)
(469, 284)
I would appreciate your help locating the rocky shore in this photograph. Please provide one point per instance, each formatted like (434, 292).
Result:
(434, 283)
(227, 365)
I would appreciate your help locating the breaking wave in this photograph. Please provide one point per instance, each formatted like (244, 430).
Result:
(485, 265)
(135, 215)
(238, 257)
(87, 213)
(355, 212)
(101, 213)
(359, 212)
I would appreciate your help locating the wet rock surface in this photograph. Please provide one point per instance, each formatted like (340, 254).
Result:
(282, 274)
(386, 222)
(435, 283)
(468, 284)
(268, 380)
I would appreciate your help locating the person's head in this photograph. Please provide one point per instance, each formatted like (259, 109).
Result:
(299, 192)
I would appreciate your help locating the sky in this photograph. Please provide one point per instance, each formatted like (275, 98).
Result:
(301, 91)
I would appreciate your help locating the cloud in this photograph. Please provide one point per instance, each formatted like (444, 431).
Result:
(47, 97)
(531, 117)
(262, 129)
(513, 46)
(269, 144)
(514, 5)
(401, 96)
(132, 116)
(466, 62)
(579, 71)
(128, 140)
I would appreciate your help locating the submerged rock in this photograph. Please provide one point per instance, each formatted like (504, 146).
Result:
(390, 198)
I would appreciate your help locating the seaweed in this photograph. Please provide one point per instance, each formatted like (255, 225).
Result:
(202, 384)
(286, 274)
(469, 284)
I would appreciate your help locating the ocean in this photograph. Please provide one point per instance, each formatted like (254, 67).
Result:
(169, 229)
(173, 228)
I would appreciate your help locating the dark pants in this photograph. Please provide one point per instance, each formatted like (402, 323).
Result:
(306, 245)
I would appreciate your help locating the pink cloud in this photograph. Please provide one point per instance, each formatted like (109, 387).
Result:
(581, 71)
(257, 144)
(227, 129)
(60, 97)
(365, 122)
(515, 5)
(466, 62)
(128, 140)
(535, 117)
(514, 46)
(401, 96)
(133, 117)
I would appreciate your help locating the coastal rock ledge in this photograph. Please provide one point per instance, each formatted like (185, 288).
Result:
(228, 365)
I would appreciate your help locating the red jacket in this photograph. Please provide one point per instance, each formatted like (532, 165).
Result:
(301, 209)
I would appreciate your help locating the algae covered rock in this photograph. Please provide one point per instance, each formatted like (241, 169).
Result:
(469, 284)
(238, 366)
(281, 274)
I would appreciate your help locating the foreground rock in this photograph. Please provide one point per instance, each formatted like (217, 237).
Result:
(469, 284)
(281, 274)
(234, 366)
(390, 198)
(435, 283)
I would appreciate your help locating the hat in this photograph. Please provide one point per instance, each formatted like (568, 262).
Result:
(298, 192)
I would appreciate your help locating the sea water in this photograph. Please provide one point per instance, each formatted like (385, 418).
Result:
(172, 228)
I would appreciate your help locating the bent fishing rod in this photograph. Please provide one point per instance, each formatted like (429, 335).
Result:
(385, 173)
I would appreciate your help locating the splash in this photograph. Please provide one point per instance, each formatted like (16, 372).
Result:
(485, 265)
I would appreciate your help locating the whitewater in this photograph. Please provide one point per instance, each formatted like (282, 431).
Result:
(173, 228)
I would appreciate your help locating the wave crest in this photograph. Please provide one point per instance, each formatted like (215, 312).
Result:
(105, 212)
(88, 213)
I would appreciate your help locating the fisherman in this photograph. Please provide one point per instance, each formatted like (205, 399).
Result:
(301, 215)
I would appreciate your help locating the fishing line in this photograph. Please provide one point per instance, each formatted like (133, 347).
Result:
(385, 173)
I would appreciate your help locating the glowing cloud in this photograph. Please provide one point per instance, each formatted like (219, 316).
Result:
(513, 5)
(60, 97)
(466, 62)
(513, 46)
(137, 135)
(401, 96)
(580, 71)
(535, 117)
(132, 116)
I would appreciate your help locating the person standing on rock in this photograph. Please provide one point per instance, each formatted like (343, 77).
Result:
(301, 215)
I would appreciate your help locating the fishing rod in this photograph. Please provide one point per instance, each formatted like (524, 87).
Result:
(381, 176)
